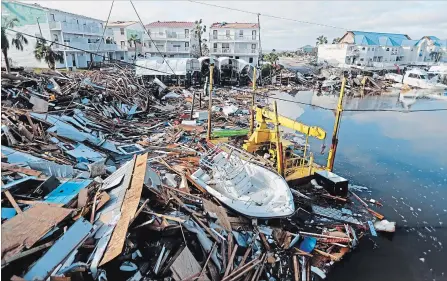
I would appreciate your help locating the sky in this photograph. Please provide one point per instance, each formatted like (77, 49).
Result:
(414, 18)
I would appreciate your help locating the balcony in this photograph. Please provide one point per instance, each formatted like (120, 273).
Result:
(75, 28)
(232, 37)
(178, 49)
(166, 36)
(84, 45)
(234, 51)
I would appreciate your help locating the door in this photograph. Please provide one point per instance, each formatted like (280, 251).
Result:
(186, 33)
(214, 34)
(253, 34)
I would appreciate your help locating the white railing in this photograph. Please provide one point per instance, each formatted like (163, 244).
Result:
(232, 37)
(246, 51)
(163, 35)
(222, 50)
(76, 28)
(85, 46)
(153, 49)
(178, 49)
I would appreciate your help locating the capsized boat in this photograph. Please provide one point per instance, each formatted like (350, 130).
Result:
(230, 175)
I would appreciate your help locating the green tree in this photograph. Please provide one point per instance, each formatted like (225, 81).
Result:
(134, 40)
(321, 40)
(18, 41)
(198, 30)
(44, 52)
(336, 40)
(272, 57)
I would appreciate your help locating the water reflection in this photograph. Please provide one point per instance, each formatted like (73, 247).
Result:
(402, 158)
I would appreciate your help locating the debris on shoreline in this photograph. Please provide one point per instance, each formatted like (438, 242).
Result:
(97, 179)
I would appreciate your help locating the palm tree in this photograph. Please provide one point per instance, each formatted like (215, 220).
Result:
(44, 51)
(17, 41)
(321, 40)
(198, 31)
(134, 39)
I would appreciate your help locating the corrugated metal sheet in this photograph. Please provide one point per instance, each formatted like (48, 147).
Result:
(65, 192)
(70, 241)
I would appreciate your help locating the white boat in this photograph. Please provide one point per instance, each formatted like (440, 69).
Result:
(242, 185)
(418, 78)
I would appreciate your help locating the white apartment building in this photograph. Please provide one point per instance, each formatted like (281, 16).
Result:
(80, 32)
(122, 32)
(383, 50)
(235, 40)
(172, 39)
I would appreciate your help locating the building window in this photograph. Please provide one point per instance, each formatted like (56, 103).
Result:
(253, 46)
(122, 58)
(361, 59)
(215, 34)
(241, 33)
(215, 45)
(372, 49)
(387, 49)
(236, 57)
(77, 21)
(52, 17)
(253, 34)
(122, 31)
(186, 44)
(250, 60)
(369, 49)
(186, 33)
(363, 48)
(123, 43)
(227, 33)
(149, 44)
(144, 44)
(56, 38)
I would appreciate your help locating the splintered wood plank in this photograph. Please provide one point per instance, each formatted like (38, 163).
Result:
(220, 213)
(26, 228)
(13, 202)
(186, 266)
(82, 197)
(128, 209)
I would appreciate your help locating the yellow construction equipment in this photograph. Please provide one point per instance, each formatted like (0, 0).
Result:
(264, 139)
(290, 165)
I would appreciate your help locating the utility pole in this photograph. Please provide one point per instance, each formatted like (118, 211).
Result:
(252, 111)
(333, 150)
(210, 104)
(260, 48)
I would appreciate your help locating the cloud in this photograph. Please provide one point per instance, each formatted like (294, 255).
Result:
(413, 18)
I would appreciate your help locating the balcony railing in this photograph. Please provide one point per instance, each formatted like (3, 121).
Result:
(163, 35)
(85, 46)
(234, 51)
(232, 37)
(75, 28)
(178, 49)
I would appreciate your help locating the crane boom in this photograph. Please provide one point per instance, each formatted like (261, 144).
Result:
(312, 131)
(262, 134)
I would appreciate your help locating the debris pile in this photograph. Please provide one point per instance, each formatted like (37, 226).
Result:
(96, 173)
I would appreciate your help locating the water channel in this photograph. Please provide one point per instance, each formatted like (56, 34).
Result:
(401, 157)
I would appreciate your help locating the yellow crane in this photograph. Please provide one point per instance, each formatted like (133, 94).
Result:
(289, 164)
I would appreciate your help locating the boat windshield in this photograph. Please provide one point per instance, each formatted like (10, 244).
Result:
(423, 77)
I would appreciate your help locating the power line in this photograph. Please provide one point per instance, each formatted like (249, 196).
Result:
(145, 29)
(267, 15)
(88, 52)
(91, 63)
(355, 110)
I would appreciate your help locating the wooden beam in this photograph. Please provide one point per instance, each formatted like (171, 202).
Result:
(230, 261)
(12, 201)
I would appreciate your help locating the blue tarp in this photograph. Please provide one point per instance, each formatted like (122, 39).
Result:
(8, 213)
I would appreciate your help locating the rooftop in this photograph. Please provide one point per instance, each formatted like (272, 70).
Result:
(37, 6)
(121, 23)
(234, 25)
(172, 24)
(378, 38)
